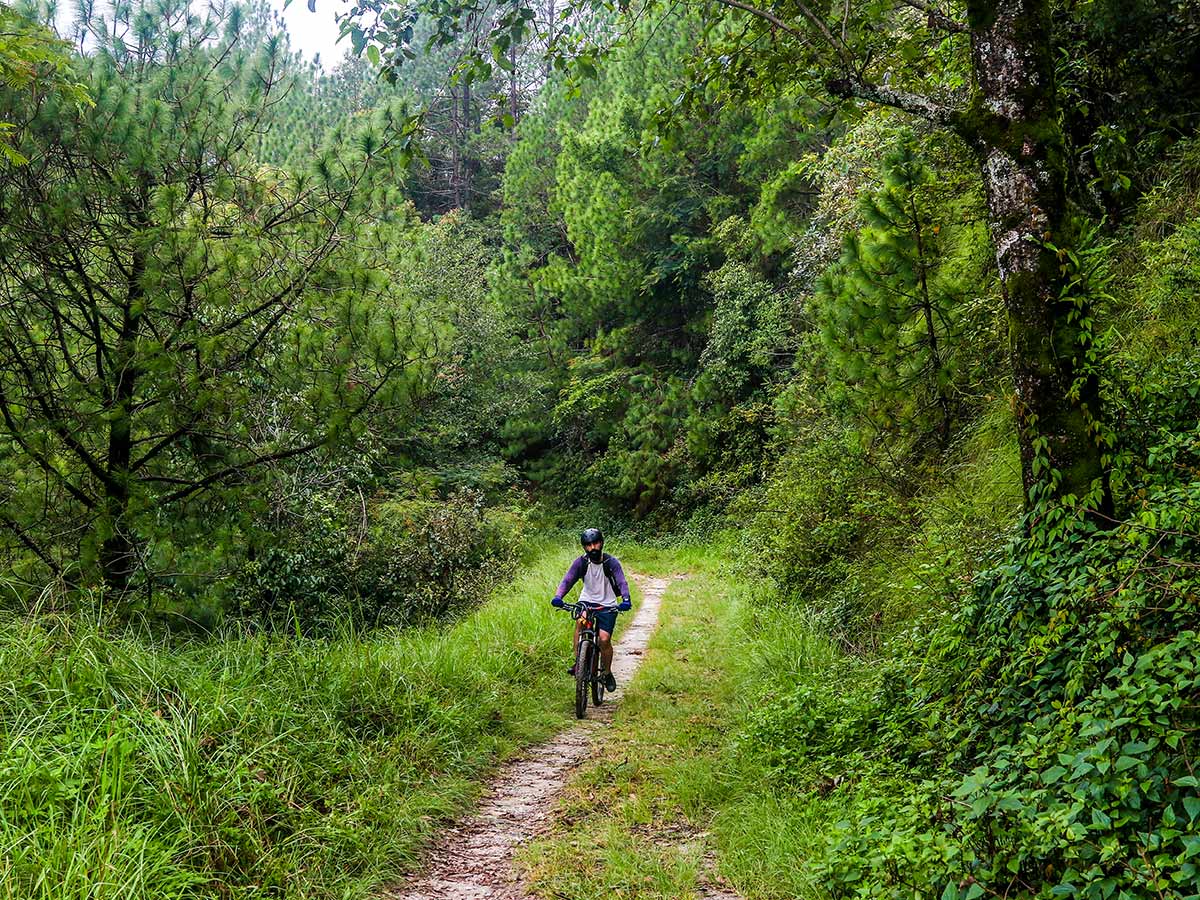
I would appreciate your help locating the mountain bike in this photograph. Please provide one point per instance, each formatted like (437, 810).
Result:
(587, 659)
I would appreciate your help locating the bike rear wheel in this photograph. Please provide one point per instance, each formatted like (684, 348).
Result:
(583, 674)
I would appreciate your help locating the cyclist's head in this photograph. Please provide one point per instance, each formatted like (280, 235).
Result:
(592, 540)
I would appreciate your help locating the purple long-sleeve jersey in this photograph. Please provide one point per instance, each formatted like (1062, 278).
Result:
(579, 568)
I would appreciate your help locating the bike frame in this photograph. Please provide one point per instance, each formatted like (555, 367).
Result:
(590, 631)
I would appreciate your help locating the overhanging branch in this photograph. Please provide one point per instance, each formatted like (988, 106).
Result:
(812, 18)
(853, 87)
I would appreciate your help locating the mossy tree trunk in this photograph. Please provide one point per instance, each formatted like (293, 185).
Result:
(1014, 122)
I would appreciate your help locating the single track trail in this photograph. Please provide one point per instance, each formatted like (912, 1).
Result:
(473, 859)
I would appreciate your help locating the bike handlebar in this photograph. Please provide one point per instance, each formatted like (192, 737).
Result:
(576, 608)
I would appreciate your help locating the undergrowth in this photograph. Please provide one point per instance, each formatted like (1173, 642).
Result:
(1039, 740)
(253, 765)
(1015, 708)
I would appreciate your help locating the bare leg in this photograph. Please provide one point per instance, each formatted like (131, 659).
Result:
(575, 642)
(606, 650)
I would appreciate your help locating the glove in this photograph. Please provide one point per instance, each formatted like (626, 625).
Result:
(624, 606)
(557, 603)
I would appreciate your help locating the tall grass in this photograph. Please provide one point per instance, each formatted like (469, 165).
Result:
(252, 765)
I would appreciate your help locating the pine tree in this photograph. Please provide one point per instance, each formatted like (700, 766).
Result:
(889, 306)
(174, 317)
(33, 61)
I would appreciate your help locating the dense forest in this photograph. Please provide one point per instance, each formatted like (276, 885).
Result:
(882, 313)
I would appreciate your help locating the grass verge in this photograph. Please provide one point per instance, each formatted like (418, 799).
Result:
(252, 766)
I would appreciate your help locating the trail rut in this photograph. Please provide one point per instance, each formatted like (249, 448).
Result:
(472, 860)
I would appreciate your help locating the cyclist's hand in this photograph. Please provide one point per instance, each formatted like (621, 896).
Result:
(557, 603)
(624, 606)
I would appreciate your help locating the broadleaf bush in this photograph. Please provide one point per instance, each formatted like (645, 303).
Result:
(404, 561)
(1036, 740)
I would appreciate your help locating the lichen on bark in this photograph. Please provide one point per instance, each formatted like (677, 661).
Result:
(1013, 121)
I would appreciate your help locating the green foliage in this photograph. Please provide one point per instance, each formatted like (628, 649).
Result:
(634, 271)
(258, 766)
(640, 462)
(425, 558)
(235, 353)
(1156, 276)
(1074, 778)
(1124, 91)
(459, 141)
(32, 61)
(749, 332)
(1036, 739)
(1029, 732)
(891, 309)
(177, 318)
(485, 374)
(804, 532)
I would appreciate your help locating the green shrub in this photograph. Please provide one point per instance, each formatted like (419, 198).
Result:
(814, 527)
(801, 528)
(1162, 298)
(425, 558)
(1044, 729)
(392, 562)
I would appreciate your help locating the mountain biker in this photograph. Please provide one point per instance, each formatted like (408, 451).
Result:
(603, 582)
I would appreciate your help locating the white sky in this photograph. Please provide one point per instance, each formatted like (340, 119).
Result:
(314, 32)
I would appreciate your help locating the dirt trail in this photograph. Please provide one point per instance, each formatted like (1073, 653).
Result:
(473, 859)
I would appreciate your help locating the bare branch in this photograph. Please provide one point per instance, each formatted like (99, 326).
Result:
(767, 15)
(30, 544)
(230, 471)
(813, 19)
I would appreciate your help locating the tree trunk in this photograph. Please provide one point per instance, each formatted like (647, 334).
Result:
(547, 59)
(931, 341)
(1014, 123)
(118, 552)
(512, 87)
(470, 165)
(456, 140)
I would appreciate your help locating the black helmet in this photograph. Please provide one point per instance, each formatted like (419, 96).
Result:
(591, 536)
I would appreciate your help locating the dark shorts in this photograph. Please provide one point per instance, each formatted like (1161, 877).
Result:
(605, 618)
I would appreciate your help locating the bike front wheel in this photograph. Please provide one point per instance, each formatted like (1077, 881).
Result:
(583, 674)
(597, 681)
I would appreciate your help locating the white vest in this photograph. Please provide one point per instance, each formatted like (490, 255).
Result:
(597, 590)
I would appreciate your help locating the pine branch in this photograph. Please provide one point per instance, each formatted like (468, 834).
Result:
(43, 463)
